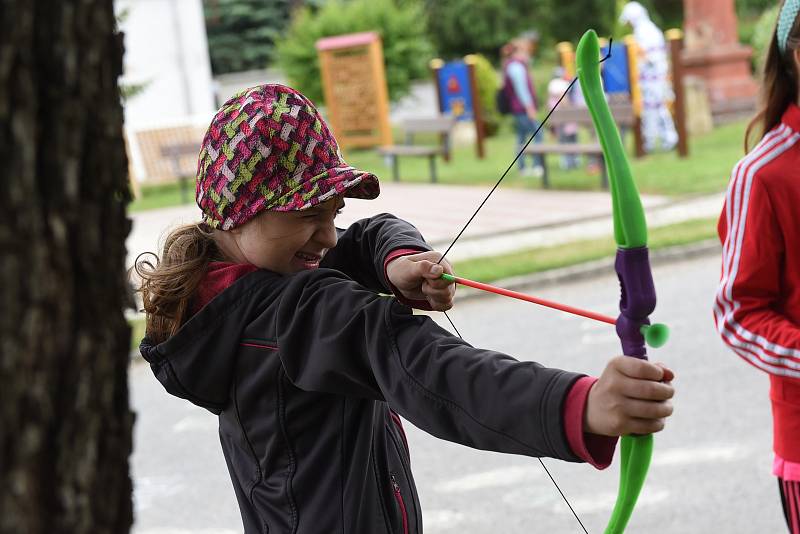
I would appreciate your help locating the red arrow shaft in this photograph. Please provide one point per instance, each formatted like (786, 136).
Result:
(536, 300)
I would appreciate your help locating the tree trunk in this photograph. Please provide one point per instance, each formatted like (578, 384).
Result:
(65, 425)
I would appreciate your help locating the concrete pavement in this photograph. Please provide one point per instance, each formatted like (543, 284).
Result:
(710, 471)
(511, 220)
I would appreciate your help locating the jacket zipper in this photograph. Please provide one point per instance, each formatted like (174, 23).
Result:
(400, 502)
(399, 425)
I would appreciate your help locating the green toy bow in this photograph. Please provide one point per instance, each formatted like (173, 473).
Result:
(638, 296)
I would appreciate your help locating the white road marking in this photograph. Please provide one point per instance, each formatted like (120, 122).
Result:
(533, 496)
(601, 338)
(442, 519)
(697, 455)
(507, 476)
(202, 422)
(604, 502)
(148, 490)
(530, 496)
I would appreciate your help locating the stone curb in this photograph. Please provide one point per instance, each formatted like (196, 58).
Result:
(582, 271)
(576, 229)
(668, 205)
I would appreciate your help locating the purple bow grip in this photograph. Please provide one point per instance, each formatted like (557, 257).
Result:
(637, 300)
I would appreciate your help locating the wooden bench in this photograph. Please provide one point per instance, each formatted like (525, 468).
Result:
(732, 109)
(175, 152)
(568, 114)
(438, 125)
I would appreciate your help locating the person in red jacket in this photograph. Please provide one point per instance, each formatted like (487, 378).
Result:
(269, 316)
(757, 306)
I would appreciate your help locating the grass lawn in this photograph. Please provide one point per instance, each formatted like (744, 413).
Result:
(712, 156)
(706, 170)
(161, 196)
(137, 332)
(545, 258)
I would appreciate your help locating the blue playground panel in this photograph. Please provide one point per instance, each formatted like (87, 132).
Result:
(615, 73)
(456, 92)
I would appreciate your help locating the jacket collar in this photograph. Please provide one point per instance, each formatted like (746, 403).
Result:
(198, 362)
(791, 117)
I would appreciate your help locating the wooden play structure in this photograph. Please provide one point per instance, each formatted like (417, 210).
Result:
(355, 90)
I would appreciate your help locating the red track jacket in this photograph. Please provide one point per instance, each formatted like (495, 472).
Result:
(757, 306)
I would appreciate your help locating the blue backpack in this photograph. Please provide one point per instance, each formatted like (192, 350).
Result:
(503, 102)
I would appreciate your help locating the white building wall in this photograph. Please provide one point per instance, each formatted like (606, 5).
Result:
(166, 48)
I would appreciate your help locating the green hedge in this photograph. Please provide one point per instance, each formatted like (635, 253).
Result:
(762, 35)
(460, 27)
(406, 49)
(488, 81)
(242, 33)
(744, 7)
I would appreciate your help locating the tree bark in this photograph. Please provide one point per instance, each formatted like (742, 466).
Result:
(65, 424)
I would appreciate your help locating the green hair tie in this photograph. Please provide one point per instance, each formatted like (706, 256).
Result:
(786, 20)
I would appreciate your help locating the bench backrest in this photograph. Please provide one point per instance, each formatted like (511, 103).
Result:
(440, 124)
(178, 150)
(564, 114)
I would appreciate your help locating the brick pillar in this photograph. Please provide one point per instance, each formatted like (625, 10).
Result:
(713, 53)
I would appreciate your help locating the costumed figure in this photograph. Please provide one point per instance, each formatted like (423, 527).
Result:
(658, 128)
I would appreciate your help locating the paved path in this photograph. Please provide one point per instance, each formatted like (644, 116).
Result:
(512, 219)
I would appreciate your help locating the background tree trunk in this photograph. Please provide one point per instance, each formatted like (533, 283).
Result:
(65, 425)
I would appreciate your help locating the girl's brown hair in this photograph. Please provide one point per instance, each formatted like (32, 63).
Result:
(168, 285)
(779, 87)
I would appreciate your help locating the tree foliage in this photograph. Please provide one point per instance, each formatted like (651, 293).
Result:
(459, 27)
(754, 7)
(487, 81)
(665, 14)
(242, 33)
(762, 35)
(569, 20)
(406, 49)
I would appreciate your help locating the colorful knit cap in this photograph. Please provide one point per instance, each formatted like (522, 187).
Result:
(786, 20)
(268, 149)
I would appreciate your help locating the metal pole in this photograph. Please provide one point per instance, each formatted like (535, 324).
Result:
(477, 110)
(636, 94)
(436, 65)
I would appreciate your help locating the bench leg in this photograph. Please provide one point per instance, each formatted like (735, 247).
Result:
(184, 189)
(395, 169)
(432, 160)
(184, 185)
(545, 174)
(604, 176)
